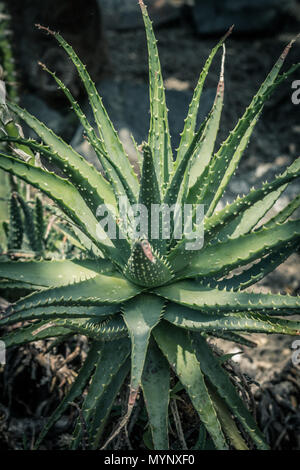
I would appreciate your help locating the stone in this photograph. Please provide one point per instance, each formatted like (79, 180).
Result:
(248, 16)
(126, 14)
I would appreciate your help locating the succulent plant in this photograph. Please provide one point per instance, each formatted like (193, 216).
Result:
(148, 304)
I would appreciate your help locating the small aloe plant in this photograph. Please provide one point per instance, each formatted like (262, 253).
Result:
(148, 304)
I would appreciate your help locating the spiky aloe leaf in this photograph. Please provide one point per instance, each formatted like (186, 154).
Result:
(191, 119)
(141, 315)
(15, 233)
(259, 270)
(107, 329)
(149, 189)
(284, 214)
(254, 205)
(248, 219)
(29, 225)
(111, 169)
(65, 196)
(238, 217)
(229, 154)
(177, 347)
(245, 321)
(156, 387)
(4, 209)
(16, 286)
(49, 313)
(159, 135)
(94, 196)
(220, 258)
(208, 300)
(146, 267)
(200, 148)
(227, 422)
(39, 224)
(206, 146)
(234, 337)
(218, 377)
(110, 139)
(112, 357)
(99, 290)
(37, 331)
(106, 402)
(150, 194)
(64, 156)
(54, 273)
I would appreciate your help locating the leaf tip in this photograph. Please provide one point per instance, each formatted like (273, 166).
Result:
(45, 28)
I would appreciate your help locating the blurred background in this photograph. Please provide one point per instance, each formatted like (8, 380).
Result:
(109, 37)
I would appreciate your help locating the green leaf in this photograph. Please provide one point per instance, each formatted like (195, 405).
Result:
(54, 273)
(245, 321)
(146, 267)
(248, 219)
(39, 224)
(94, 196)
(140, 315)
(66, 197)
(112, 356)
(96, 143)
(55, 312)
(37, 331)
(156, 388)
(208, 300)
(237, 218)
(15, 286)
(284, 214)
(259, 270)
(235, 338)
(228, 424)
(29, 225)
(177, 177)
(15, 234)
(206, 146)
(150, 194)
(109, 329)
(159, 135)
(176, 345)
(247, 211)
(200, 148)
(191, 119)
(99, 290)
(5, 191)
(220, 258)
(105, 403)
(109, 136)
(220, 379)
(82, 174)
(227, 158)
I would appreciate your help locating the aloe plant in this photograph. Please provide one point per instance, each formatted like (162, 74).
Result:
(148, 304)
